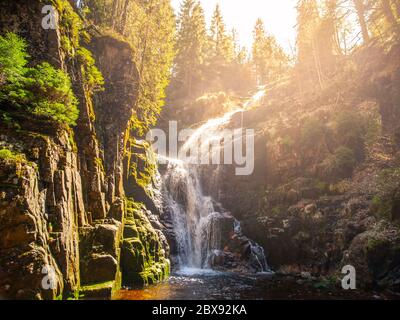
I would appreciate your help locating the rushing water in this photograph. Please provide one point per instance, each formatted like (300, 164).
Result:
(196, 217)
(196, 222)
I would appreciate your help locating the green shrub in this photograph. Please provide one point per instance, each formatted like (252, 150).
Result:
(53, 94)
(92, 77)
(71, 27)
(13, 57)
(376, 244)
(321, 186)
(340, 164)
(312, 131)
(5, 153)
(388, 193)
(42, 89)
(350, 131)
(348, 125)
(277, 210)
(340, 187)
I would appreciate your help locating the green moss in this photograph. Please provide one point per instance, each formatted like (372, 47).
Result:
(340, 187)
(99, 163)
(375, 244)
(97, 286)
(76, 295)
(142, 164)
(7, 154)
(326, 283)
(388, 193)
(71, 27)
(92, 77)
(142, 258)
(277, 210)
(99, 290)
(71, 139)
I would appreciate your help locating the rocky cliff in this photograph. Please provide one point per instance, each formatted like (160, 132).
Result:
(67, 227)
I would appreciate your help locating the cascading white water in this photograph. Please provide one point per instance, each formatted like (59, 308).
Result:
(190, 208)
(194, 215)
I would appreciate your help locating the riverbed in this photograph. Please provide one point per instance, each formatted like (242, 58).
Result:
(195, 284)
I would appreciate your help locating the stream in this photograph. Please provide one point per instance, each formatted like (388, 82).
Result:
(197, 284)
(199, 226)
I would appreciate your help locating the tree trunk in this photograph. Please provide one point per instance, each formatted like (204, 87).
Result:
(114, 15)
(389, 15)
(360, 8)
(124, 17)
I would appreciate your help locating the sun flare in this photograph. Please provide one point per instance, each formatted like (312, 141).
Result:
(279, 18)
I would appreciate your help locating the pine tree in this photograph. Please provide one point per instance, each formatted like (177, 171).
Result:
(259, 52)
(307, 24)
(221, 43)
(156, 53)
(330, 25)
(269, 59)
(308, 52)
(190, 47)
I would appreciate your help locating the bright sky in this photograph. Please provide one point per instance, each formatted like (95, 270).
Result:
(279, 17)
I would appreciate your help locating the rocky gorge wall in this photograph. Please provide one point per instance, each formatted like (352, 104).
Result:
(63, 204)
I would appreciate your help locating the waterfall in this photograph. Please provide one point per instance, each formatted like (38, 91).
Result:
(197, 219)
(191, 213)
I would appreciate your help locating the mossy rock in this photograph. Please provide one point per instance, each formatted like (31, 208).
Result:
(132, 258)
(131, 231)
(143, 259)
(99, 290)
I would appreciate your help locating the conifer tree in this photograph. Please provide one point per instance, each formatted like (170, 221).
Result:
(190, 47)
(269, 59)
(259, 52)
(308, 20)
(221, 43)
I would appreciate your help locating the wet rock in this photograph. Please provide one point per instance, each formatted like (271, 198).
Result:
(107, 236)
(130, 231)
(98, 268)
(216, 259)
(376, 256)
(310, 209)
(117, 210)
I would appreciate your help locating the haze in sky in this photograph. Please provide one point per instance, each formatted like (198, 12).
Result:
(279, 17)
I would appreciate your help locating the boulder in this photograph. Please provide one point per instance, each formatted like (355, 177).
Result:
(98, 268)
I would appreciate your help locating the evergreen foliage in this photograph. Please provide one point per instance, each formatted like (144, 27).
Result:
(42, 89)
(268, 57)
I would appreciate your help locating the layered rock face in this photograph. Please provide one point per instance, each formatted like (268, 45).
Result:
(63, 207)
(42, 208)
